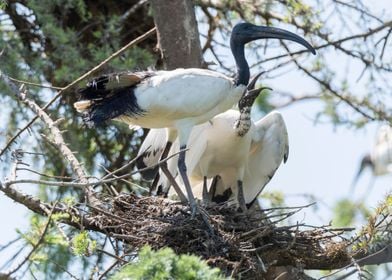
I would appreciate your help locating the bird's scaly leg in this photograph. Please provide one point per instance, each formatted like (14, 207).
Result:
(212, 191)
(167, 173)
(192, 202)
(241, 198)
(184, 176)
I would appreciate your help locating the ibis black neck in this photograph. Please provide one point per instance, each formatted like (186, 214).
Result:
(243, 73)
(246, 32)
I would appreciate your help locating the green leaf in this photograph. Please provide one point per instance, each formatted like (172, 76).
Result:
(82, 245)
(165, 264)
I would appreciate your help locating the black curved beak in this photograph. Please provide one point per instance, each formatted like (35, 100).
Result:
(265, 32)
(252, 83)
(256, 92)
(249, 97)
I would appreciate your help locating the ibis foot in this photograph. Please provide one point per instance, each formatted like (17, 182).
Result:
(195, 209)
(205, 217)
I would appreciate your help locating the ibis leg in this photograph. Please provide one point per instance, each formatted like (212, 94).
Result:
(192, 202)
(182, 170)
(241, 198)
(205, 192)
(167, 173)
(212, 191)
(173, 182)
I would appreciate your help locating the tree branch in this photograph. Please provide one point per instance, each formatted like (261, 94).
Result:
(76, 81)
(35, 246)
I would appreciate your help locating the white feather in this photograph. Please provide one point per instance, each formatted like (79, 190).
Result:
(200, 95)
(151, 150)
(215, 149)
(270, 145)
(381, 154)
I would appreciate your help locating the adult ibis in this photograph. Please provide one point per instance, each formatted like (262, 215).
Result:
(177, 99)
(379, 160)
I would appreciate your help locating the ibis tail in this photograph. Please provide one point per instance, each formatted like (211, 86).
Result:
(110, 96)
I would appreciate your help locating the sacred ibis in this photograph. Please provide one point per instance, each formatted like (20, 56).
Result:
(379, 160)
(151, 150)
(217, 145)
(269, 146)
(244, 154)
(177, 99)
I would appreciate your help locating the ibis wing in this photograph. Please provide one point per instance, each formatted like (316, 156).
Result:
(105, 86)
(270, 145)
(125, 79)
(197, 145)
(150, 152)
(187, 93)
(384, 135)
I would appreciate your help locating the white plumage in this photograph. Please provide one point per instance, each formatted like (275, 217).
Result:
(199, 95)
(381, 154)
(269, 146)
(379, 160)
(215, 149)
(178, 99)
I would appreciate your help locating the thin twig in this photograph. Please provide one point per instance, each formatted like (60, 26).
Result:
(108, 270)
(331, 90)
(112, 255)
(75, 82)
(34, 84)
(87, 184)
(58, 140)
(35, 246)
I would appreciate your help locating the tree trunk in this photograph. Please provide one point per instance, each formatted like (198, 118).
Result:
(178, 36)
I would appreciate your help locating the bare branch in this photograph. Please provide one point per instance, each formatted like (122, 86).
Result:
(35, 246)
(76, 81)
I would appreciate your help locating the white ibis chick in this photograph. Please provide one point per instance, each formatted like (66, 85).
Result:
(269, 147)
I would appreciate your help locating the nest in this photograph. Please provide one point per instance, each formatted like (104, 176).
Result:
(242, 244)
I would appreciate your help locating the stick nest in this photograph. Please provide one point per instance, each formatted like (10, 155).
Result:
(242, 244)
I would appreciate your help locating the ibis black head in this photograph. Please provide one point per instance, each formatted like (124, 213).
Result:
(251, 93)
(365, 162)
(246, 32)
(249, 98)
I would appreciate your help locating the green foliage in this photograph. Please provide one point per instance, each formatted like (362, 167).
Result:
(82, 245)
(52, 255)
(3, 4)
(275, 198)
(165, 264)
(263, 102)
(298, 11)
(346, 211)
(56, 42)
